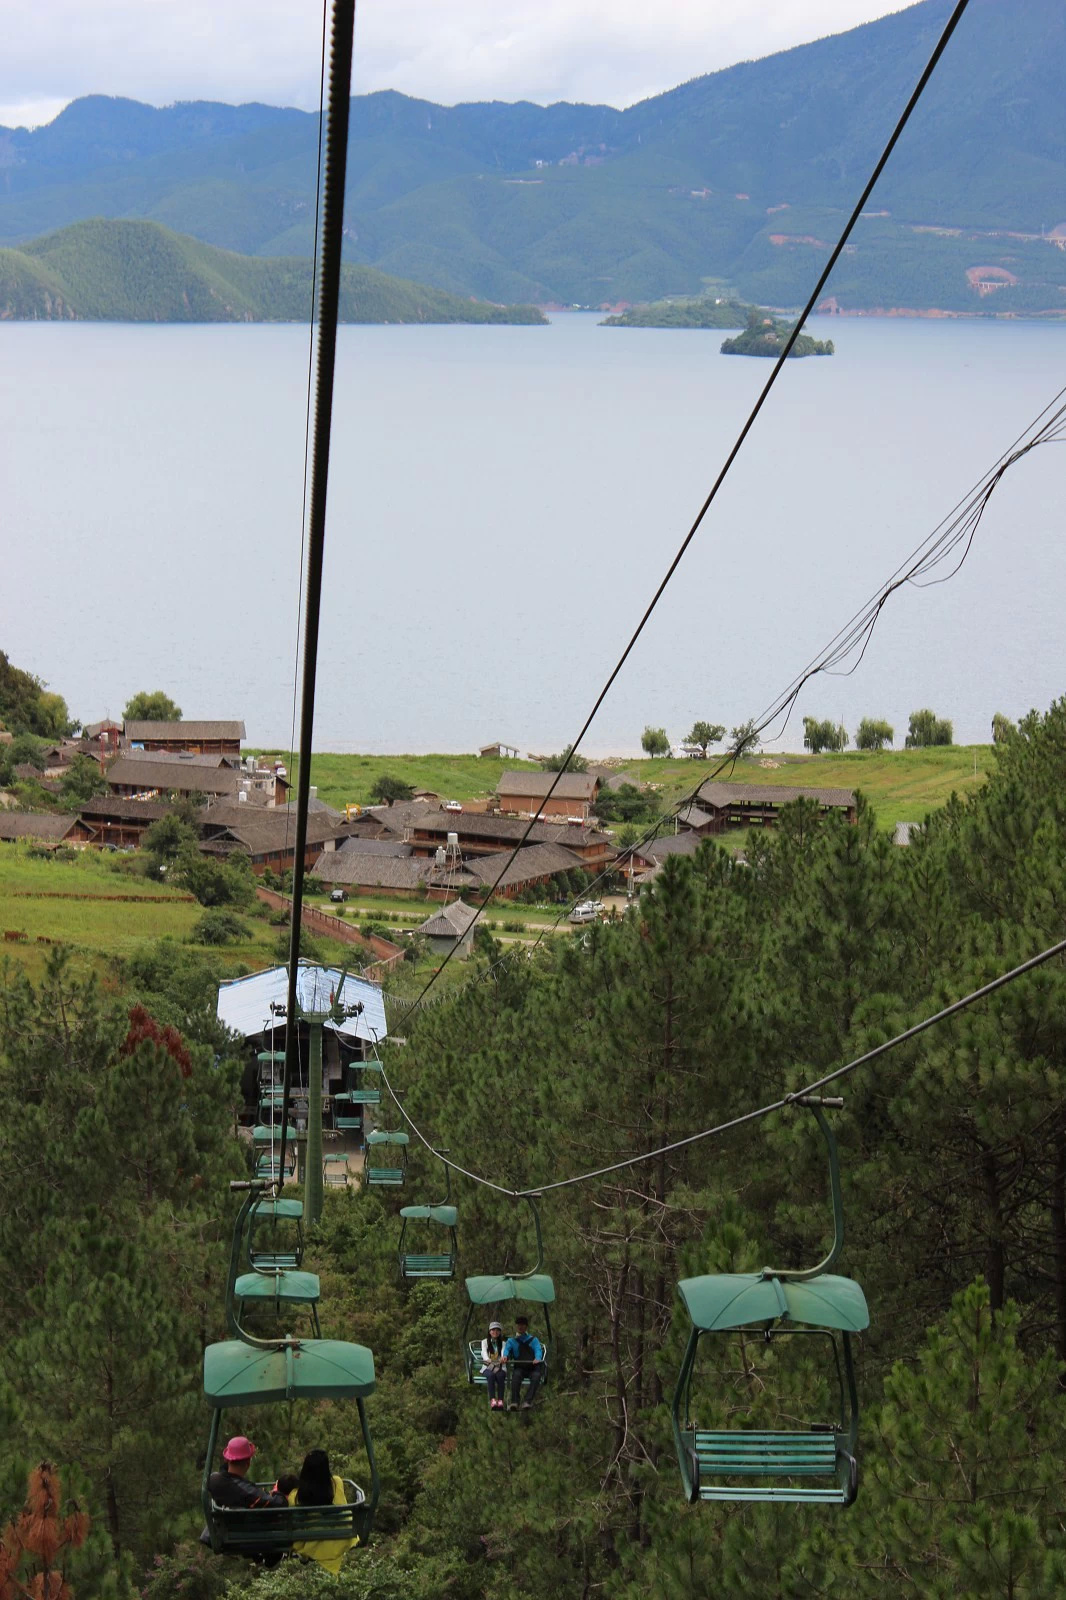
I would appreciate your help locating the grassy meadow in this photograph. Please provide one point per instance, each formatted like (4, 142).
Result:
(902, 785)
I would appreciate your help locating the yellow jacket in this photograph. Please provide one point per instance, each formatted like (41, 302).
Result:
(329, 1553)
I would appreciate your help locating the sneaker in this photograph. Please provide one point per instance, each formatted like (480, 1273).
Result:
(527, 1405)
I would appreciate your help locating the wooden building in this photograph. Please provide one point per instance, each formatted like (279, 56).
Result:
(115, 821)
(199, 738)
(524, 794)
(266, 834)
(746, 805)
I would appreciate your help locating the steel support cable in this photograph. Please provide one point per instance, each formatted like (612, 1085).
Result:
(747, 1117)
(336, 161)
(307, 409)
(812, 301)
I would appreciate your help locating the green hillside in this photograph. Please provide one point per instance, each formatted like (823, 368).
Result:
(115, 271)
(743, 175)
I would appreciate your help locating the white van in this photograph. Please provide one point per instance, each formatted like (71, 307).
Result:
(586, 911)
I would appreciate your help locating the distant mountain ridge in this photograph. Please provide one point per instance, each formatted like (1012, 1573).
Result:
(112, 271)
(739, 176)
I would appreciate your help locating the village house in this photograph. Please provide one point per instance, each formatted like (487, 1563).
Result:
(198, 738)
(499, 752)
(642, 861)
(450, 929)
(740, 805)
(148, 774)
(266, 835)
(115, 821)
(105, 736)
(478, 833)
(524, 794)
(42, 828)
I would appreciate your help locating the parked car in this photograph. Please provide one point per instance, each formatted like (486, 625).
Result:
(338, 895)
(586, 911)
(453, 805)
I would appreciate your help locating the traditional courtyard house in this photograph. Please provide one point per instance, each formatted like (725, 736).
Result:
(745, 805)
(199, 738)
(480, 834)
(146, 778)
(266, 834)
(115, 820)
(644, 860)
(36, 827)
(450, 928)
(696, 819)
(389, 867)
(533, 867)
(524, 794)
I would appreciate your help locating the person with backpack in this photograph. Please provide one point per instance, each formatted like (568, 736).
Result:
(525, 1353)
(492, 1367)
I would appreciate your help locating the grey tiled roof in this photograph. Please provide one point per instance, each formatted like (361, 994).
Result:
(44, 825)
(526, 785)
(450, 922)
(142, 772)
(360, 870)
(778, 794)
(534, 861)
(184, 730)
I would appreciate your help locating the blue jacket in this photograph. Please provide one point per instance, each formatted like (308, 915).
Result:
(513, 1351)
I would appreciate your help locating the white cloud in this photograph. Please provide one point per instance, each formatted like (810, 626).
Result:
(616, 51)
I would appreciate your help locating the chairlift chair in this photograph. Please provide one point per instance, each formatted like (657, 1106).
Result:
(359, 1089)
(335, 1171)
(376, 1174)
(533, 1286)
(247, 1371)
(743, 1464)
(286, 1245)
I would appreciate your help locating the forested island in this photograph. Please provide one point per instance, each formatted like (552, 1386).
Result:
(120, 271)
(701, 312)
(766, 336)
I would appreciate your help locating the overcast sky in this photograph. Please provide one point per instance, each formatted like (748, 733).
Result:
(613, 51)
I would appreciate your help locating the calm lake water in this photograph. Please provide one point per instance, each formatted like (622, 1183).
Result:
(503, 502)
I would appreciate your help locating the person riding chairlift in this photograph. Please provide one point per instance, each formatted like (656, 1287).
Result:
(525, 1353)
(492, 1367)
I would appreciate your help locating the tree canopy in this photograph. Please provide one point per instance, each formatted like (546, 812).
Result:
(151, 706)
(655, 741)
(926, 728)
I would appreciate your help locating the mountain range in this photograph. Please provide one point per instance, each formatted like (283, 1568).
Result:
(740, 178)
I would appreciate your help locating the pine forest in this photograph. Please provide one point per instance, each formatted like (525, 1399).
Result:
(730, 985)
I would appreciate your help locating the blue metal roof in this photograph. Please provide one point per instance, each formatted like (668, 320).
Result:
(244, 1003)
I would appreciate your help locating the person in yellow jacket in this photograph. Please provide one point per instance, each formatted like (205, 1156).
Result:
(317, 1486)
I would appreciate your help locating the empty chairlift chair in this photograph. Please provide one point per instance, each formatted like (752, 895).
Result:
(335, 1171)
(441, 1265)
(816, 1463)
(379, 1171)
(275, 1234)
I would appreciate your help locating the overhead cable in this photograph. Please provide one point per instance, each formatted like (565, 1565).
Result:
(340, 89)
(747, 1117)
(738, 444)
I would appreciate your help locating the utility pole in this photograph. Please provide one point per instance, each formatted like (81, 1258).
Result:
(316, 1021)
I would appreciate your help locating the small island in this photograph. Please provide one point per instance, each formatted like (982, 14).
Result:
(766, 336)
(703, 312)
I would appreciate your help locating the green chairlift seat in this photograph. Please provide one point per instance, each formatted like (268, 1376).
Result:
(343, 1119)
(360, 1091)
(767, 1305)
(777, 1465)
(285, 1249)
(535, 1288)
(440, 1266)
(236, 1375)
(335, 1171)
(277, 1289)
(381, 1175)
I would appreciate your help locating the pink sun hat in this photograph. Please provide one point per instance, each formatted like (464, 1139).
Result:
(239, 1449)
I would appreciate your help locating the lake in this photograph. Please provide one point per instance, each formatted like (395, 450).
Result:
(503, 502)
